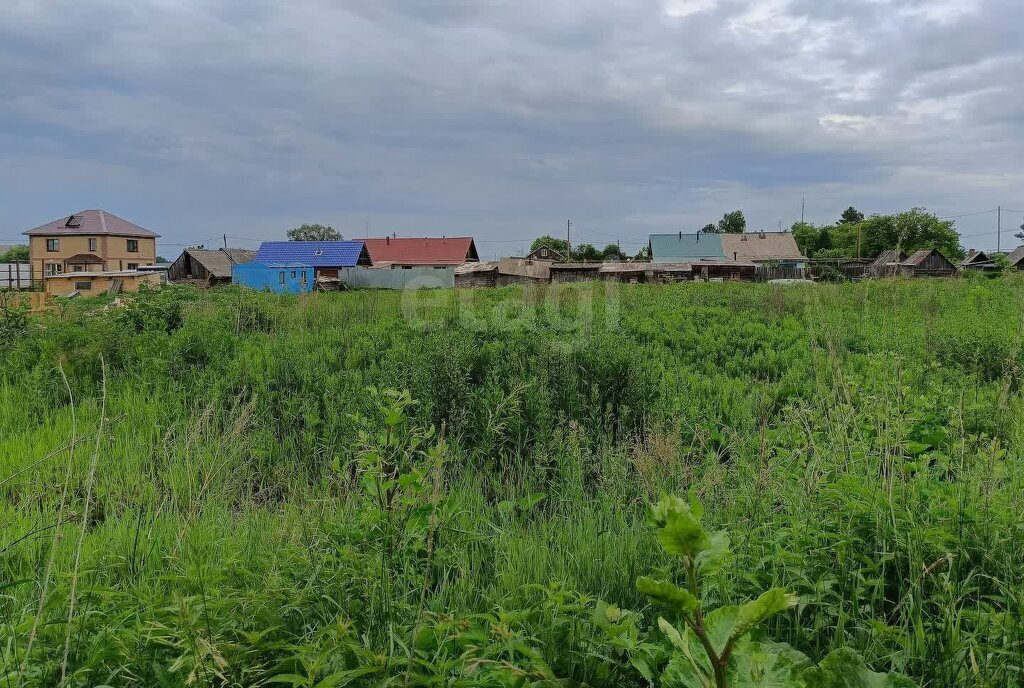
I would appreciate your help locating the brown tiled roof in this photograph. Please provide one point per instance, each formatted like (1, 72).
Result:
(761, 246)
(86, 258)
(92, 222)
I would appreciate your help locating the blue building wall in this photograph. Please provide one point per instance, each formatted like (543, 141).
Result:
(294, 278)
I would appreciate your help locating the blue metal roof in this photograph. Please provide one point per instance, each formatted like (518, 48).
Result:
(682, 248)
(319, 254)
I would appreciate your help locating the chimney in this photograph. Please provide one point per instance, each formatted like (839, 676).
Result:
(387, 240)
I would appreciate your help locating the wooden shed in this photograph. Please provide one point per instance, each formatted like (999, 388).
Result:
(979, 261)
(208, 268)
(887, 264)
(575, 272)
(471, 275)
(724, 270)
(928, 262)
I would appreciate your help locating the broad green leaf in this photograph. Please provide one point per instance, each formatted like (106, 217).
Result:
(668, 594)
(716, 555)
(719, 624)
(683, 535)
(754, 612)
(844, 668)
(766, 665)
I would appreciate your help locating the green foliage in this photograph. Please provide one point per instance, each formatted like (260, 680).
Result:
(732, 223)
(15, 254)
(313, 232)
(713, 649)
(551, 242)
(308, 489)
(909, 231)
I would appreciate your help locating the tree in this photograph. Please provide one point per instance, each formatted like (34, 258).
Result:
(1020, 234)
(586, 252)
(732, 223)
(709, 228)
(851, 216)
(806, 236)
(612, 252)
(15, 254)
(161, 259)
(551, 242)
(909, 231)
(643, 254)
(314, 232)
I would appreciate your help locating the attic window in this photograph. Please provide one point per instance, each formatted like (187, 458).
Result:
(73, 221)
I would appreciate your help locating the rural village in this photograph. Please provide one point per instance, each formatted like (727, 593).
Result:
(94, 252)
(465, 344)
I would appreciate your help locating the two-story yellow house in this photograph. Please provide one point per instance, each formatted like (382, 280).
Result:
(89, 241)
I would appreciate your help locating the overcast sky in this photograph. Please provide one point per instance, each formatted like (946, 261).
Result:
(501, 120)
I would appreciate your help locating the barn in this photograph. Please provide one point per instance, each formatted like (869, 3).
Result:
(928, 262)
(207, 268)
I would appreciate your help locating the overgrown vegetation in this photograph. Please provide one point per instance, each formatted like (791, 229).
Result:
(240, 489)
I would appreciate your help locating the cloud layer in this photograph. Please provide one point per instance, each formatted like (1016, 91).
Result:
(499, 119)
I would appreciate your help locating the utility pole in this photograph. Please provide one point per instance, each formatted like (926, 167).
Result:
(803, 206)
(999, 228)
(568, 241)
(859, 232)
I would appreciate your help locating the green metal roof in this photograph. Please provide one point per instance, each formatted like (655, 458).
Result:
(682, 248)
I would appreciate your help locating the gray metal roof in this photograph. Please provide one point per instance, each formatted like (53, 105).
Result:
(685, 248)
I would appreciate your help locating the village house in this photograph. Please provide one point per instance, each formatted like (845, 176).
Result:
(90, 241)
(729, 256)
(928, 262)
(294, 278)
(979, 261)
(1016, 258)
(546, 253)
(208, 268)
(326, 258)
(425, 252)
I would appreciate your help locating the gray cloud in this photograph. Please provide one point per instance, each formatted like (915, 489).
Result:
(502, 119)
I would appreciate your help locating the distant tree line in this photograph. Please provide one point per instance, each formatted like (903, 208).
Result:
(855, 235)
(583, 252)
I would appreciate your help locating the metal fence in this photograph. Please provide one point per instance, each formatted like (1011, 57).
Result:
(17, 276)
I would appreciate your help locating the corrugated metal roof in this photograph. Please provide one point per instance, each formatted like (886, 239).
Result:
(425, 251)
(92, 222)
(685, 248)
(319, 254)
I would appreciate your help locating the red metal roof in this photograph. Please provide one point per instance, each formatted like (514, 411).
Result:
(93, 222)
(425, 251)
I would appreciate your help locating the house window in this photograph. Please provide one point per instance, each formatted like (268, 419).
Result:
(53, 245)
(303, 276)
(54, 269)
(281, 277)
(92, 243)
(83, 286)
(133, 266)
(133, 246)
(294, 273)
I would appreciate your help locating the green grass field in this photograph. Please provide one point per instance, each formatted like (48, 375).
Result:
(240, 489)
